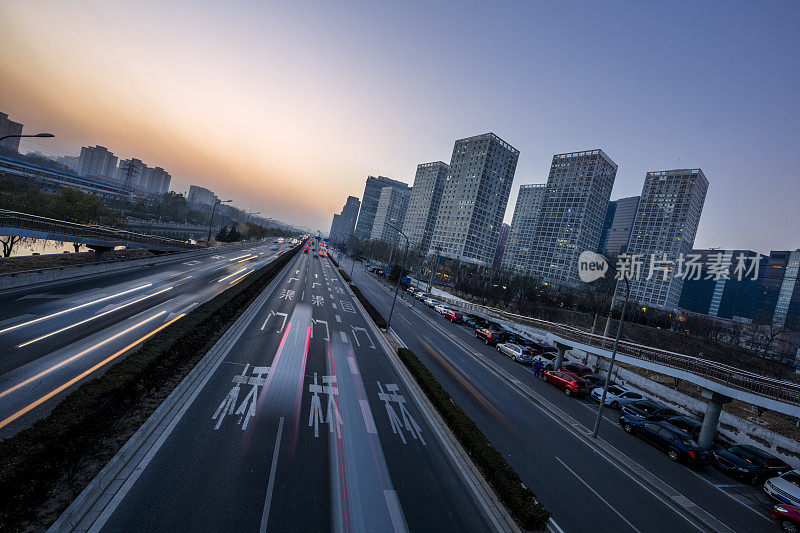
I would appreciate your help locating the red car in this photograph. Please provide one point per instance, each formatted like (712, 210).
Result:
(571, 384)
(454, 316)
(788, 516)
(489, 336)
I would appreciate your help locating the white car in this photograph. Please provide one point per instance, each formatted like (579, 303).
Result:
(441, 309)
(430, 302)
(515, 352)
(785, 488)
(548, 360)
(617, 396)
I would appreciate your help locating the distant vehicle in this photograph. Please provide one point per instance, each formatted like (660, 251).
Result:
(454, 316)
(748, 463)
(672, 441)
(648, 410)
(276, 241)
(788, 516)
(305, 251)
(785, 488)
(441, 309)
(617, 395)
(571, 384)
(488, 336)
(274, 247)
(520, 354)
(430, 302)
(577, 368)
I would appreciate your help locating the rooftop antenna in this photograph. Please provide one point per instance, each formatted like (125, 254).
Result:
(677, 163)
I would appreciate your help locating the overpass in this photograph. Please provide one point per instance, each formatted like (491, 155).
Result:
(172, 229)
(98, 238)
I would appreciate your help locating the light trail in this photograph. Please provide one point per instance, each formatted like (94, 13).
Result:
(231, 275)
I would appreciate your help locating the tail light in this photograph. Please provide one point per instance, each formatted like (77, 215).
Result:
(692, 454)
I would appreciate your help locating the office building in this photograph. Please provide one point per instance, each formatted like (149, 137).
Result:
(664, 228)
(423, 208)
(9, 127)
(349, 216)
(617, 226)
(727, 284)
(572, 214)
(505, 231)
(157, 181)
(200, 196)
(369, 203)
(474, 199)
(518, 255)
(780, 298)
(336, 235)
(97, 162)
(72, 162)
(392, 208)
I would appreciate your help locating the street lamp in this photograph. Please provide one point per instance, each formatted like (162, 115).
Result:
(625, 276)
(211, 220)
(4, 137)
(400, 278)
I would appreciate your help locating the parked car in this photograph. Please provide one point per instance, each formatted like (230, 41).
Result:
(788, 516)
(617, 396)
(675, 443)
(489, 336)
(419, 295)
(430, 302)
(518, 353)
(577, 368)
(454, 316)
(690, 426)
(596, 380)
(516, 338)
(784, 488)
(648, 410)
(538, 347)
(748, 463)
(478, 322)
(548, 360)
(441, 309)
(468, 320)
(571, 384)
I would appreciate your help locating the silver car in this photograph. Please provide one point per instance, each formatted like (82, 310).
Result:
(515, 352)
(617, 396)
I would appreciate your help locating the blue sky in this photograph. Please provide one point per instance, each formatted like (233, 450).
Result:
(292, 106)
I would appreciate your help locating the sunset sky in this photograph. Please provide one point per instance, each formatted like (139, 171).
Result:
(287, 107)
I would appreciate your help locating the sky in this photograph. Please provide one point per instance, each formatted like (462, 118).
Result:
(286, 108)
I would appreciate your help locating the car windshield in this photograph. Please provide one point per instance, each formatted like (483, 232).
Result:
(647, 407)
(746, 455)
(792, 477)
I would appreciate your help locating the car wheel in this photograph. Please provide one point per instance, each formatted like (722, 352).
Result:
(567, 392)
(486, 341)
(628, 428)
(673, 455)
(789, 527)
(615, 404)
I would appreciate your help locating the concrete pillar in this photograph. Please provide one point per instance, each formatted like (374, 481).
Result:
(711, 419)
(98, 252)
(562, 349)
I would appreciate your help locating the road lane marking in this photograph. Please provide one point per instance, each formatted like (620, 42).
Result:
(353, 367)
(65, 328)
(81, 306)
(396, 514)
(271, 483)
(369, 422)
(343, 335)
(598, 495)
(82, 375)
(338, 318)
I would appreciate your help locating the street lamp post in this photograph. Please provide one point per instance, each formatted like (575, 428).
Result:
(613, 357)
(400, 278)
(4, 137)
(211, 220)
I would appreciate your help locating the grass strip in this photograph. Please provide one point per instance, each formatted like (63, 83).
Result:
(344, 275)
(90, 425)
(520, 500)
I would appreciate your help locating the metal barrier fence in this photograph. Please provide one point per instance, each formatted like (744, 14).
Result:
(775, 389)
(24, 221)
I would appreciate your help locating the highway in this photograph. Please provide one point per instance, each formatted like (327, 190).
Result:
(303, 423)
(56, 336)
(541, 433)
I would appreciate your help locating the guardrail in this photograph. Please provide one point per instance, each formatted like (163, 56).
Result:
(736, 378)
(84, 232)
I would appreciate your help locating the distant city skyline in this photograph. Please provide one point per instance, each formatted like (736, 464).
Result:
(294, 136)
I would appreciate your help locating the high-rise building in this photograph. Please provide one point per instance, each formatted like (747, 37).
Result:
(9, 127)
(131, 173)
(474, 199)
(336, 236)
(617, 226)
(505, 231)
(369, 203)
(72, 162)
(200, 196)
(518, 255)
(664, 229)
(349, 216)
(572, 213)
(719, 289)
(157, 181)
(426, 195)
(780, 298)
(97, 162)
(392, 208)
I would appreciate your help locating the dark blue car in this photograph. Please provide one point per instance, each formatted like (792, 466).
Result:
(678, 446)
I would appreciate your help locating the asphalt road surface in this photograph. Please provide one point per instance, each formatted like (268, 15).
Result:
(304, 425)
(585, 490)
(56, 336)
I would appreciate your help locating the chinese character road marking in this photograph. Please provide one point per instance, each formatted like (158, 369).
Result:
(315, 415)
(333, 305)
(316, 276)
(327, 331)
(318, 300)
(347, 306)
(343, 335)
(408, 422)
(356, 329)
(272, 314)
(248, 407)
(287, 294)
(315, 284)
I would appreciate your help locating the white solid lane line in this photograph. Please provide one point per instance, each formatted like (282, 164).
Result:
(598, 495)
(271, 483)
